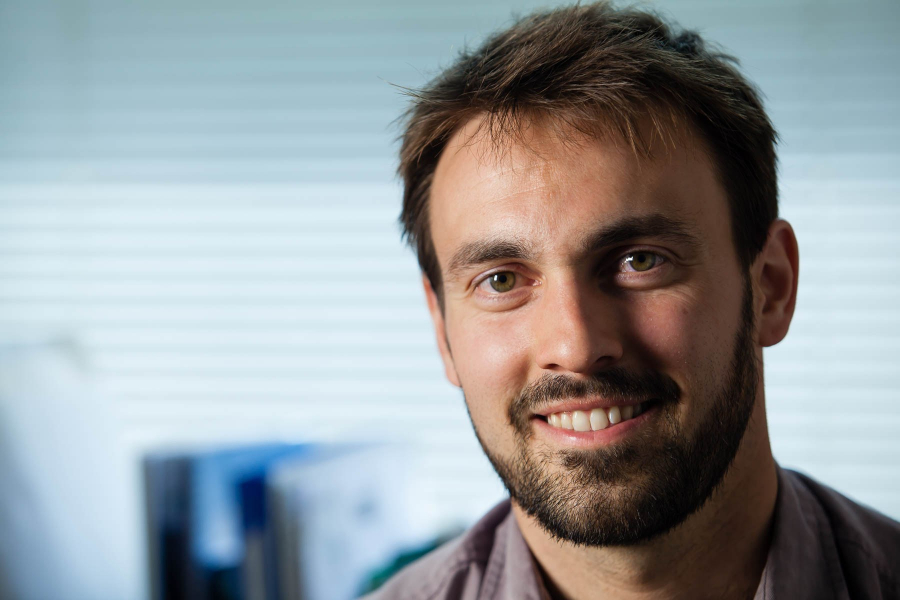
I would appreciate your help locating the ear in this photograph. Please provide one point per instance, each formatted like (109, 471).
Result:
(440, 331)
(775, 272)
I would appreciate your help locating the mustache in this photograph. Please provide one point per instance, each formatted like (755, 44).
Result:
(616, 383)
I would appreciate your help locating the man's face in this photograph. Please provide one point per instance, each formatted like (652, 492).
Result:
(581, 284)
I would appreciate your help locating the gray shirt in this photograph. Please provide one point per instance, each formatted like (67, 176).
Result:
(824, 546)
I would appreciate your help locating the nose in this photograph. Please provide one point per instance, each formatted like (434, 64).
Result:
(576, 329)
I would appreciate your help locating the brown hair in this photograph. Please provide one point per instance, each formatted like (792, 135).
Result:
(597, 69)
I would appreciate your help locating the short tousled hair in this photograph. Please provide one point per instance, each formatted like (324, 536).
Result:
(596, 69)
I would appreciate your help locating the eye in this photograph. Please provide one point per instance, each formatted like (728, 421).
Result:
(641, 261)
(501, 282)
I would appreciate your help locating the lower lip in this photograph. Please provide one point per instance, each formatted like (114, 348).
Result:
(593, 439)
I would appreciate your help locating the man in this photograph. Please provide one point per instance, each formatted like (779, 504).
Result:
(593, 199)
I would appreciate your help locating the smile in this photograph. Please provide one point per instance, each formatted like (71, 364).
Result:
(588, 426)
(598, 418)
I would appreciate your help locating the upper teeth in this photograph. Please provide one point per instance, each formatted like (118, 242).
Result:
(596, 419)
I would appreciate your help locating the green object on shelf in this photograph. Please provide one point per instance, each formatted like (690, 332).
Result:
(379, 577)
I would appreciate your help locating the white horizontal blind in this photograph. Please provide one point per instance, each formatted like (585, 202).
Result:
(201, 196)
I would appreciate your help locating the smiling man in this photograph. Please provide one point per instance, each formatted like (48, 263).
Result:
(593, 199)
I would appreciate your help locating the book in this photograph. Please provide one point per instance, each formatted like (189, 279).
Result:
(195, 530)
(337, 519)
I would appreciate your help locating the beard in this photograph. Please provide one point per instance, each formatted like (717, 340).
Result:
(642, 487)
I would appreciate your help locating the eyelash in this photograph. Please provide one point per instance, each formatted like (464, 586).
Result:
(660, 259)
(484, 280)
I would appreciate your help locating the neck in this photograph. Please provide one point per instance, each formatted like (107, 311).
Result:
(718, 552)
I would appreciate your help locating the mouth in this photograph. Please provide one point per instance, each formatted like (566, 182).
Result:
(596, 419)
(591, 427)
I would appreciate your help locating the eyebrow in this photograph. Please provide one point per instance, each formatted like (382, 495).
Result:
(655, 225)
(485, 251)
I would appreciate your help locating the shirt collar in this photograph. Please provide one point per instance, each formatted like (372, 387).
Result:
(803, 560)
(512, 573)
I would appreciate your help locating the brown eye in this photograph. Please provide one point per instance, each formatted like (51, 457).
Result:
(642, 261)
(503, 282)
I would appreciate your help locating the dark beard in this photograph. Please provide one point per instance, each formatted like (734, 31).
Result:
(642, 488)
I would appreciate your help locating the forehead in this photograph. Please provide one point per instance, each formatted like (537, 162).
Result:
(552, 188)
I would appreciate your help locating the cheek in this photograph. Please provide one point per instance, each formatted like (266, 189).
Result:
(685, 336)
(490, 356)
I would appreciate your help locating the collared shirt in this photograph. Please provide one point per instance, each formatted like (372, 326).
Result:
(824, 547)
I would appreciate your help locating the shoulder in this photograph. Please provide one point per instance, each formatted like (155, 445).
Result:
(454, 570)
(867, 541)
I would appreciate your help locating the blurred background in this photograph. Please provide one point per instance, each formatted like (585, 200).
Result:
(208, 323)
